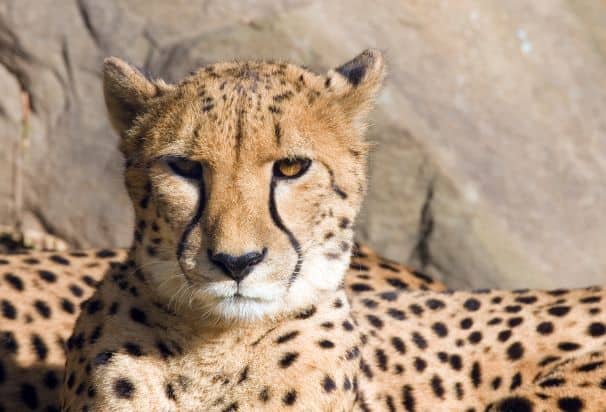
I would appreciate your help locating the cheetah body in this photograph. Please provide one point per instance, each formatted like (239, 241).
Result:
(264, 163)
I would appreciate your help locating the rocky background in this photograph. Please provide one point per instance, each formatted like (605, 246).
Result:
(490, 160)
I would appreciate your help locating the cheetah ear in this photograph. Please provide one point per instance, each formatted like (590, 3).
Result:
(126, 91)
(356, 83)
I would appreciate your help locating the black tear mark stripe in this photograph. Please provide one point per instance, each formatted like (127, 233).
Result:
(278, 221)
(333, 184)
(194, 221)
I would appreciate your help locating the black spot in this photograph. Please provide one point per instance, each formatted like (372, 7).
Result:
(545, 328)
(39, 347)
(51, 381)
(47, 276)
(515, 351)
(352, 353)
(133, 349)
(328, 384)
(466, 323)
(264, 395)
(389, 296)
(526, 299)
(93, 306)
(552, 383)
(568, 346)
(398, 344)
(397, 283)
(105, 253)
(419, 340)
(344, 223)
(513, 322)
(95, 334)
(290, 397)
(516, 381)
(396, 314)
(558, 310)
(326, 344)
(8, 342)
(288, 359)
(434, 304)
(287, 337)
(375, 321)
(472, 304)
(164, 350)
(103, 358)
(307, 313)
(440, 329)
(504, 335)
(422, 276)
(591, 299)
(347, 325)
(416, 309)
(138, 316)
(243, 375)
(389, 267)
(67, 306)
(169, 390)
(124, 388)
(365, 368)
(361, 287)
(359, 267)
(420, 364)
(596, 329)
(346, 383)
(14, 281)
(436, 386)
(29, 396)
(42, 308)
(59, 259)
(513, 308)
(456, 362)
(515, 404)
(588, 367)
(8, 310)
(548, 359)
(476, 374)
(496, 383)
(570, 404)
(71, 380)
(408, 400)
(474, 337)
(381, 358)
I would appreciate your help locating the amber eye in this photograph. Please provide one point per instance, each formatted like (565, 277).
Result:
(291, 168)
(189, 169)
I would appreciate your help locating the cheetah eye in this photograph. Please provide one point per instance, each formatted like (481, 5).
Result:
(188, 169)
(291, 168)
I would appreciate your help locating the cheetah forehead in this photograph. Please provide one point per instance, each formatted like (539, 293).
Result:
(254, 106)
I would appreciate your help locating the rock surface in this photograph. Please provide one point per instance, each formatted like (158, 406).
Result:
(490, 162)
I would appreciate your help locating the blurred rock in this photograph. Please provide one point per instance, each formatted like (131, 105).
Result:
(490, 160)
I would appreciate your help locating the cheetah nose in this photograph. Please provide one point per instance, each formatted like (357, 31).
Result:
(237, 267)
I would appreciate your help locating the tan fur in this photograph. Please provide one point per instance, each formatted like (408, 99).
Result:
(307, 329)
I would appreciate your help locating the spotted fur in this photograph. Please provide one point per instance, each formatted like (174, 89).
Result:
(244, 290)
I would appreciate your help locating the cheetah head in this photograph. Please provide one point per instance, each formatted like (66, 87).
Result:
(246, 178)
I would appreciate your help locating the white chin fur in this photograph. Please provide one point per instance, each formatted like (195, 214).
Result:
(259, 300)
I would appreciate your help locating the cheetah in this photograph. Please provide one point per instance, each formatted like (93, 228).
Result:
(244, 290)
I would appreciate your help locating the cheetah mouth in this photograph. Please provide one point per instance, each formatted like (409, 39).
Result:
(239, 297)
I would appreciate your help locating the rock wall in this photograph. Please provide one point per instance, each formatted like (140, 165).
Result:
(490, 161)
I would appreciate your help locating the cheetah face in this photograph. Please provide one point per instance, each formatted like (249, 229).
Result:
(246, 179)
